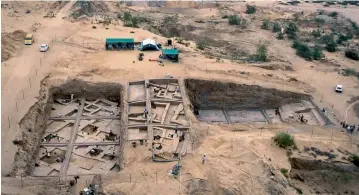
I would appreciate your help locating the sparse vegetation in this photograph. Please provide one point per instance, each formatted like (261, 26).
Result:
(284, 171)
(355, 160)
(331, 46)
(262, 53)
(319, 20)
(316, 33)
(201, 45)
(251, 9)
(276, 27)
(265, 25)
(333, 14)
(352, 54)
(317, 53)
(169, 26)
(280, 36)
(225, 16)
(292, 30)
(129, 20)
(343, 38)
(350, 72)
(284, 140)
(303, 50)
(234, 20)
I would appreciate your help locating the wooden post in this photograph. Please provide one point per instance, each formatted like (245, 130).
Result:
(22, 184)
(156, 177)
(29, 81)
(17, 109)
(8, 119)
(23, 95)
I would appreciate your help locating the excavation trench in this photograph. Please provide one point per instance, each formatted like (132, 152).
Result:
(215, 101)
(34, 125)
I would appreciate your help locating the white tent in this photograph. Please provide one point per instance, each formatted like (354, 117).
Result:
(148, 44)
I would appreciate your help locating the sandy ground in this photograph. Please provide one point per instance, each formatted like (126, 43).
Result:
(77, 50)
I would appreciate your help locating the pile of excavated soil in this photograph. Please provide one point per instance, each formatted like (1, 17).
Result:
(320, 177)
(216, 94)
(11, 43)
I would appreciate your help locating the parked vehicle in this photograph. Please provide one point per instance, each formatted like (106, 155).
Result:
(29, 39)
(44, 47)
(339, 88)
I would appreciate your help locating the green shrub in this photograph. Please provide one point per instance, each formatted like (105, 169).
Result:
(316, 33)
(280, 36)
(350, 72)
(331, 46)
(265, 25)
(284, 140)
(276, 27)
(317, 53)
(327, 38)
(284, 172)
(355, 160)
(234, 20)
(127, 17)
(134, 22)
(352, 54)
(292, 30)
(343, 37)
(319, 20)
(333, 14)
(251, 9)
(262, 53)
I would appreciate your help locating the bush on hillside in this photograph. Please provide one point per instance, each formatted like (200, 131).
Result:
(333, 14)
(317, 53)
(284, 140)
(276, 27)
(280, 36)
(352, 54)
(251, 9)
(234, 20)
(265, 25)
(292, 30)
(355, 160)
(316, 33)
(343, 38)
(350, 72)
(262, 53)
(331, 46)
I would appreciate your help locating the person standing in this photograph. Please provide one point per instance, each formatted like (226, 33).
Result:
(203, 158)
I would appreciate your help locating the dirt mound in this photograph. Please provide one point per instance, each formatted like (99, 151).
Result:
(11, 43)
(324, 177)
(88, 8)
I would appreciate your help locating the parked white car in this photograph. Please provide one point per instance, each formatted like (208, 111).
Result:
(44, 47)
(339, 88)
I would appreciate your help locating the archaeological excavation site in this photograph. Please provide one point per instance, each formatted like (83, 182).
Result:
(216, 102)
(75, 128)
(81, 128)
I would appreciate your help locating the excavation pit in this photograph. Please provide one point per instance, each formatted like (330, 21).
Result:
(68, 121)
(229, 103)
